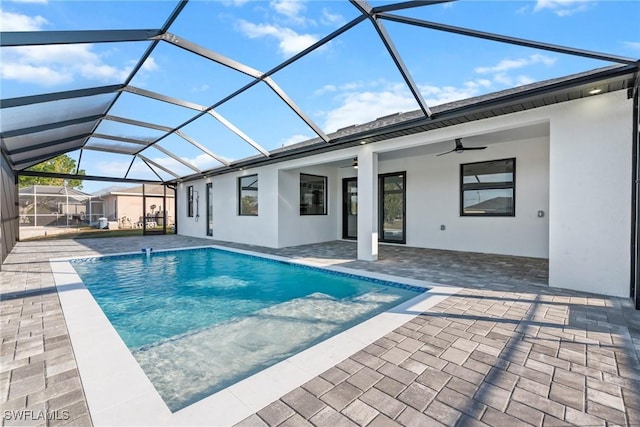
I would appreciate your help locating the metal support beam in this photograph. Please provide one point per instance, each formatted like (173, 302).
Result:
(47, 144)
(107, 150)
(164, 98)
(25, 163)
(407, 5)
(159, 166)
(209, 54)
(196, 107)
(39, 38)
(238, 132)
(201, 147)
(277, 68)
(87, 177)
(509, 40)
(284, 97)
(49, 126)
(147, 53)
(150, 168)
(365, 8)
(56, 96)
(176, 158)
(137, 123)
(121, 139)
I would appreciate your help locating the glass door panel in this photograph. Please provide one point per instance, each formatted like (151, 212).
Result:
(392, 207)
(209, 209)
(350, 208)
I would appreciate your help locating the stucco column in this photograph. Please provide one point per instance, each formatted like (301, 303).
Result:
(367, 205)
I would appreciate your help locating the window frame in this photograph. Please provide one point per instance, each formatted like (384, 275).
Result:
(190, 201)
(325, 195)
(240, 178)
(488, 186)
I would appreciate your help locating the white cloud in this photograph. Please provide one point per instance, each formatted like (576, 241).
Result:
(26, 73)
(511, 64)
(18, 22)
(236, 3)
(57, 64)
(289, 8)
(202, 88)
(150, 64)
(290, 42)
(564, 7)
(30, 1)
(437, 95)
(506, 80)
(294, 139)
(325, 89)
(501, 70)
(329, 18)
(632, 45)
(367, 101)
(363, 106)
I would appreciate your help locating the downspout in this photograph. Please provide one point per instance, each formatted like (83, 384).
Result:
(175, 206)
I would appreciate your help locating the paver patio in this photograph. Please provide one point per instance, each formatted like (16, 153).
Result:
(506, 350)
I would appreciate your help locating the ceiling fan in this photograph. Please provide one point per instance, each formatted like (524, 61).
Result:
(460, 148)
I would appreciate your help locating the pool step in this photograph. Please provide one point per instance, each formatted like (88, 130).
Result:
(189, 368)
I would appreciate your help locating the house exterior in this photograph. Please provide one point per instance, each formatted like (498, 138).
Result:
(555, 181)
(128, 206)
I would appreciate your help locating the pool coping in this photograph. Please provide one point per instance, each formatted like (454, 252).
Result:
(118, 392)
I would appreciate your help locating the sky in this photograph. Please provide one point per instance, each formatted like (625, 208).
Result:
(350, 80)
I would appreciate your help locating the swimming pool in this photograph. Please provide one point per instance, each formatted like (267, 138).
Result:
(199, 320)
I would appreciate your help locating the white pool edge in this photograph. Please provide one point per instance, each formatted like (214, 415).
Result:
(118, 392)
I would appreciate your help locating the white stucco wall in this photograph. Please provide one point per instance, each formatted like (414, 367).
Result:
(296, 229)
(578, 172)
(259, 230)
(590, 196)
(433, 199)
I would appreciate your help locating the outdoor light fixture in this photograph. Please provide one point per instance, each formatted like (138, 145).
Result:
(595, 91)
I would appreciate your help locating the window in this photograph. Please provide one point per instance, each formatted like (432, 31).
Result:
(190, 200)
(488, 188)
(313, 195)
(248, 195)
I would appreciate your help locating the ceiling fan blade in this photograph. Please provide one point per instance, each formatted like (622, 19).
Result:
(474, 148)
(447, 152)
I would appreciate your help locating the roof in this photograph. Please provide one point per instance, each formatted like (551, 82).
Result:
(37, 127)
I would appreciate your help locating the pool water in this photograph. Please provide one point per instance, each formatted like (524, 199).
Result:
(200, 320)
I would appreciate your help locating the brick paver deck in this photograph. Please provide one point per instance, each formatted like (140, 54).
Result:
(504, 351)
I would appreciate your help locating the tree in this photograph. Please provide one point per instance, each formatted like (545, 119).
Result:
(60, 164)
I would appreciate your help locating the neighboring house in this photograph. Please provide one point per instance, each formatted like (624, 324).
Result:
(555, 181)
(128, 207)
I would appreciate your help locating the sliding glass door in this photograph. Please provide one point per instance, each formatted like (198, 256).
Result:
(391, 202)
